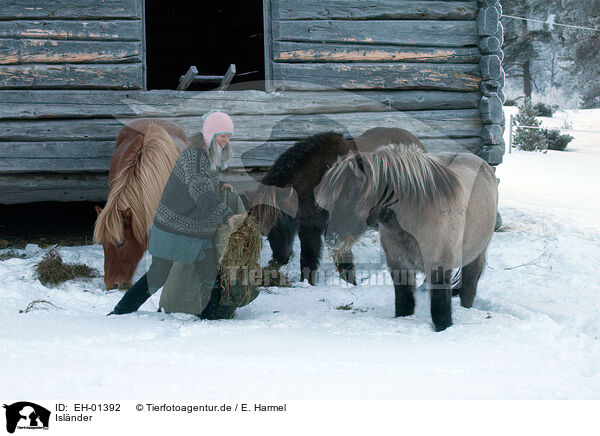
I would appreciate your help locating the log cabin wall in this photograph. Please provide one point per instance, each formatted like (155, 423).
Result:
(71, 44)
(432, 67)
(431, 47)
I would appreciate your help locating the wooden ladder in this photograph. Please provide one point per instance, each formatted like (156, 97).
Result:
(192, 77)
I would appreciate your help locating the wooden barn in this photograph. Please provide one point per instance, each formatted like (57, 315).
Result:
(73, 71)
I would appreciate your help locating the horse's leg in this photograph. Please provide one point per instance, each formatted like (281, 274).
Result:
(404, 288)
(441, 298)
(310, 251)
(281, 239)
(470, 276)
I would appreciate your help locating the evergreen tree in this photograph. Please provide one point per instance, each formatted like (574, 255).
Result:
(583, 46)
(529, 139)
(523, 42)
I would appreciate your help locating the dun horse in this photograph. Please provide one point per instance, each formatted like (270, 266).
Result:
(435, 213)
(145, 153)
(301, 167)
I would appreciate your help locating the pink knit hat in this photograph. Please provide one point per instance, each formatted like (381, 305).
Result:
(216, 123)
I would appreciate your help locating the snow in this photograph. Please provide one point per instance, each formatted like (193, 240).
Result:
(533, 332)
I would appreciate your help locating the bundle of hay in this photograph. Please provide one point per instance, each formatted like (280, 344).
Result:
(239, 246)
(53, 271)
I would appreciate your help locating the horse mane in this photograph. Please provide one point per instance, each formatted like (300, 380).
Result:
(286, 166)
(401, 173)
(138, 186)
(315, 153)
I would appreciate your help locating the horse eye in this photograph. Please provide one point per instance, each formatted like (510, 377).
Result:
(119, 245)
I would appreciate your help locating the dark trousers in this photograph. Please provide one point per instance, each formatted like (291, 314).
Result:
(147, 285)
(155, 278)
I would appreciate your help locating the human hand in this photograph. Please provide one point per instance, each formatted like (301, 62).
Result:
(227, 186)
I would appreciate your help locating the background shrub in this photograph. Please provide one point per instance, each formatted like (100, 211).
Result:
(529, 139)
(544, 110)
(555, 140)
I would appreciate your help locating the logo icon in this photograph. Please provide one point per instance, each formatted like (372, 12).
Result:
(26, 415)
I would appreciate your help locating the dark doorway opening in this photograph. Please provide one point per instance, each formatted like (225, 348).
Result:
(209, 35)
(47, 223)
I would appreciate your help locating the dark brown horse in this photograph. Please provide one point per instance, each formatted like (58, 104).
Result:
(435, 213)
(301, 168)
(145, 153)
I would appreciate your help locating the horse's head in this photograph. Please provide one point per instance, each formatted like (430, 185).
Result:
(342, 192)
(122, 249)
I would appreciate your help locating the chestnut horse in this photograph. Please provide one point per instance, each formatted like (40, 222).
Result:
(145, 153)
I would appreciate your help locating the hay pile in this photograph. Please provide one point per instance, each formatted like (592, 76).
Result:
(53, 271)
(239, 246)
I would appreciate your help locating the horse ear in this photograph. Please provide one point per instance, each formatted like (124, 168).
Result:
(98, 209)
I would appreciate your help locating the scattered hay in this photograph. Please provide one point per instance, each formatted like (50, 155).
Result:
(35, 305)
(339, 256)
(53, 271)
(11, 254)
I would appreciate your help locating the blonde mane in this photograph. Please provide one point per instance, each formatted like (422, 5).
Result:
(400, 172)
(138, 187)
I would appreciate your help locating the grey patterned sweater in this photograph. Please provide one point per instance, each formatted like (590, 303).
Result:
(190, 203)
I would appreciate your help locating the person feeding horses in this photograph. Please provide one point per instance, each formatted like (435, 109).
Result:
(190, 211)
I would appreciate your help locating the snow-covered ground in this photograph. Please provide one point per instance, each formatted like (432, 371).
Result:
(534, 332)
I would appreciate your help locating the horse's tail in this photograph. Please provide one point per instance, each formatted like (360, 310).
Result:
(138, 186)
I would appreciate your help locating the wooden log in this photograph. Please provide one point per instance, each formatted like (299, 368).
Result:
(498, 53)
(284, 51)
(490, 87)
(491, 109)
(492, 134)
(26, 188)
(398, 32)
(24, 104)
(66, 156)
(186, 80)
(57, 165)
(374, 9)
(57, 149)
(502, 96)
(71, 76)
(487, 2)
(117, 30)
(490, 67)
(491, 154)
(94, 156)
(489, 44)
(259, 154)
(455, 77)
(431, 124)
(27, 51)
(499, 35)
(498, 7)
(501, 78)
(487, 21)
(70, 9)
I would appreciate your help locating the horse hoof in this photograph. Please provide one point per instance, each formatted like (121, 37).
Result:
(441, 326)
